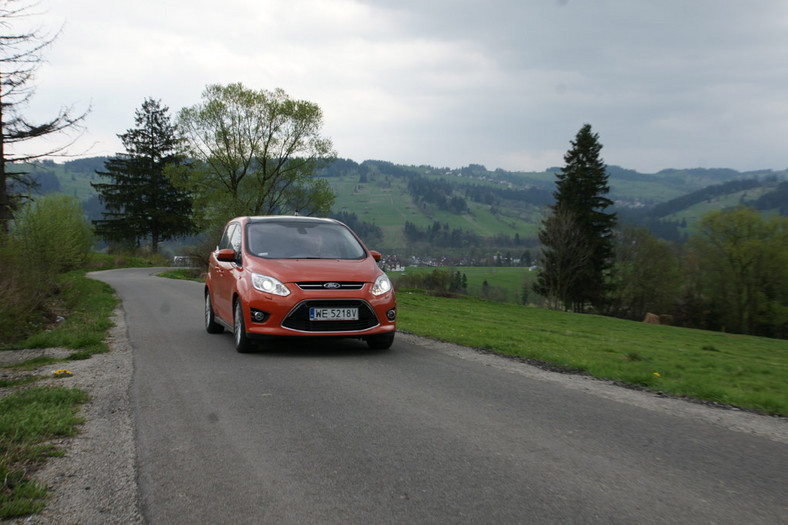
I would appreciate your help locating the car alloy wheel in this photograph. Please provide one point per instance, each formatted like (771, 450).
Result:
(211, 326)
(242, 343)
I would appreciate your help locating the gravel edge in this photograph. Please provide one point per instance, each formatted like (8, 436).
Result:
(95, 482)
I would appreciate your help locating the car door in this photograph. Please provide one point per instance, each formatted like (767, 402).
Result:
(222, 277)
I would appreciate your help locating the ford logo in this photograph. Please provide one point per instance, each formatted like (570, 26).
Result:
(332, 286)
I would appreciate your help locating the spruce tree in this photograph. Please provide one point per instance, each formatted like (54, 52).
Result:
(140, 202)
(577, 259)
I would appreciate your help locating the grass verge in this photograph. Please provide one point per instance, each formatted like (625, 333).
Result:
(28, 419)
(744, 371)
(87, 306)
(31, 416)
(184, 274)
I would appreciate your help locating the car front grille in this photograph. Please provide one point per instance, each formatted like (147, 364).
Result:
(298, 318)
(330, 285)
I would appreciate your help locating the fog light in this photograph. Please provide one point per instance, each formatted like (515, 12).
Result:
(392, 314)
(258, 316)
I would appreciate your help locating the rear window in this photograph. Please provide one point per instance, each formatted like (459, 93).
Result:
(302, 240)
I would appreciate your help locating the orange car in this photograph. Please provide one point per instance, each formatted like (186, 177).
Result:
(297, 276)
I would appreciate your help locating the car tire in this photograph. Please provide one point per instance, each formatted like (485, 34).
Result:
(211, 326)
(242, 343)
(380, 342)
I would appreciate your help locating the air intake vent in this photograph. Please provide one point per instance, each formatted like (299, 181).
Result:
(330, 285)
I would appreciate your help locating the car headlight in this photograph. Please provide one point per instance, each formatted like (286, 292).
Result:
(382, 285)
(270, 285)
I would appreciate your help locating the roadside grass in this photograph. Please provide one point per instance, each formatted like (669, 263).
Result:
(184, 274)
(28, 420)
(743, 371)
(88, 305)
(31, 416)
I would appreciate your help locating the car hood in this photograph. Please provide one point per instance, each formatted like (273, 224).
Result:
(301, 270)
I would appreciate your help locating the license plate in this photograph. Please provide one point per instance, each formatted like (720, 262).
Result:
(333, 314)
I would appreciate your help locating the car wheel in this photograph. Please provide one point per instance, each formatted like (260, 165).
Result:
(211, 326)
(242, 343)
(380, 342)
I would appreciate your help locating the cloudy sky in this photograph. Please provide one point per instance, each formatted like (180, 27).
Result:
(504, 83)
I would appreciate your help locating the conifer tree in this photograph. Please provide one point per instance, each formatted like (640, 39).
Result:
(577, 237)
(140, 202)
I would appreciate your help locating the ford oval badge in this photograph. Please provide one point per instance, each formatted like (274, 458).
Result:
(332, 286)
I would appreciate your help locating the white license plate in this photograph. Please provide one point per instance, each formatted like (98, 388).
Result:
(333, 314)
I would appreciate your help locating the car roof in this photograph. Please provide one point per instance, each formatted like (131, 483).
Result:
(287, 218)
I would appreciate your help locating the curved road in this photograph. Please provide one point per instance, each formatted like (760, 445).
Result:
(331, 432)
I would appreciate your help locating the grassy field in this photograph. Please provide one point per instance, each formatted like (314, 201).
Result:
(748, 372)
(388, 204)
(507, 278)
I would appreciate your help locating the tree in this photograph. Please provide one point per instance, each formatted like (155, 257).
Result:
(257, 154)
(21, 53)
(141, 202)
(581, 187)
(744, 258)
(647, 275)
(565, 253)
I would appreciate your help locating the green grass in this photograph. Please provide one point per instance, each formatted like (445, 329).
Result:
(744, 371)
(184, 274)
(388, 204)
(507, 278)
(89, 304)
(28, 420)
(8, 383)
(32, 416)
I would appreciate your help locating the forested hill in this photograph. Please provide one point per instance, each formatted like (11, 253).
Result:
(455, 207)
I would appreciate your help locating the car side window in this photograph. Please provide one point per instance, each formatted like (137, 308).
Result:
(235, 240)
(225, 242)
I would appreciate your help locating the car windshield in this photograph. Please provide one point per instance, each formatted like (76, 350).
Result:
(302, 239)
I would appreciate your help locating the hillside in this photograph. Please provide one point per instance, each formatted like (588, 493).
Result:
(473, 209)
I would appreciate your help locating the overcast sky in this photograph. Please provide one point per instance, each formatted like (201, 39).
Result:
(504, 83)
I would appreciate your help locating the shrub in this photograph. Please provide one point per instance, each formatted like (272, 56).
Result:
(23, 289)
(49, 236)
(54, 232)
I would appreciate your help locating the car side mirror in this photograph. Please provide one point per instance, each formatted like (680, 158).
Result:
(226, 255)
(375, 255)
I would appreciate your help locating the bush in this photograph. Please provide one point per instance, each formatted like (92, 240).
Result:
(48, 237)
(55, 233)
(23, 289)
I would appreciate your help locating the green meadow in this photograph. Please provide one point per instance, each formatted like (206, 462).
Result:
(508, 280)
(744, 371)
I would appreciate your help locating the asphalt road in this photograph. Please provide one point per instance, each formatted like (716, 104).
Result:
(331, 432)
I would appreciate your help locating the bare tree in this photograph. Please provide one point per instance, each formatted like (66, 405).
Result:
(21, 54)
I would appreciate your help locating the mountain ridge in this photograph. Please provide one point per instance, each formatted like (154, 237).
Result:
(497, 209)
